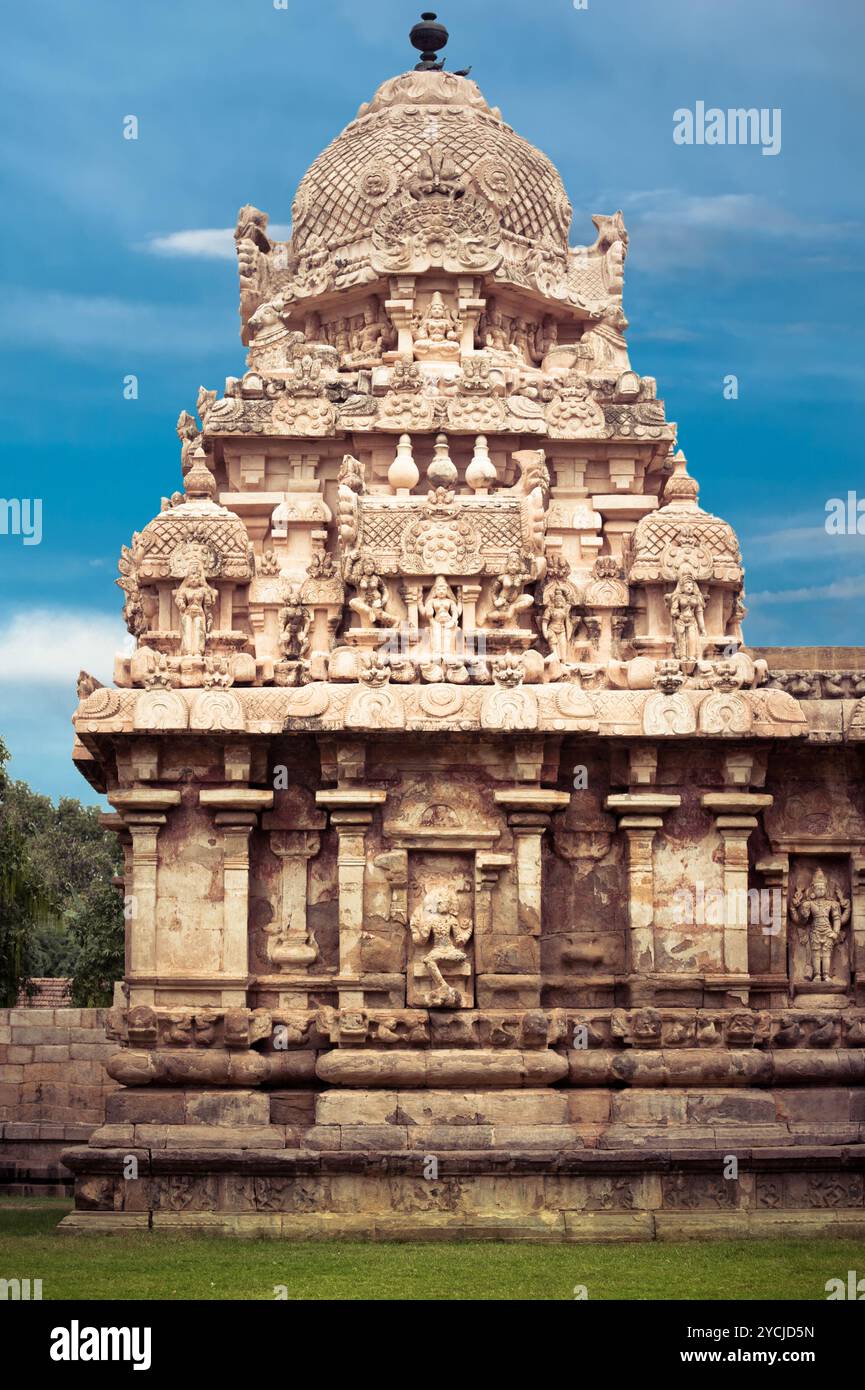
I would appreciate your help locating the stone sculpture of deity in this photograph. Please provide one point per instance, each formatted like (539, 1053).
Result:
(438, 332)
(443, 611)
(371, 339)
(438, 919)
(372, 602)
(557, 622)
(686, 604)
(508, 599)
(823, 918)
(295, 621)
(195, 600)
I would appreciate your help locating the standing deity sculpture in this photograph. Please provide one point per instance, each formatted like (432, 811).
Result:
(822, 920)
(295, 621)
(687, 605)
(494, 332)
(443, 611)
(557, 611)
(195, 600)
(438, 918)
(522, 344)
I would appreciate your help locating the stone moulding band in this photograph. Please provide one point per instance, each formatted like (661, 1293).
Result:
(503, 1068)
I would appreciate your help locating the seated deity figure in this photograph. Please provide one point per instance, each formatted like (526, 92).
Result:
(438, 917)
(443, 610)
(508, 599)
(823, 918)
(372, 602)
(687, 605)
(369, 342)
(437, 332)
(195, 601)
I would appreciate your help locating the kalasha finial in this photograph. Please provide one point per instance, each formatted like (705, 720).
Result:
(429, 37)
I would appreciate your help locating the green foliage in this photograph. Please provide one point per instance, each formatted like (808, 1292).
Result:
(95, 925)
(59, 913)
(21, 897)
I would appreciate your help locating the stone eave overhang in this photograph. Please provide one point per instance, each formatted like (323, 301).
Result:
(491, 710)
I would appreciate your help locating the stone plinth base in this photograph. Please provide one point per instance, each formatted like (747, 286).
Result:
(543, 1228)
(655, 1193)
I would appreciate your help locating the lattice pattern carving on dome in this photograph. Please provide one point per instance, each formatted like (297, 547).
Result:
(373, 157)
(668, 541)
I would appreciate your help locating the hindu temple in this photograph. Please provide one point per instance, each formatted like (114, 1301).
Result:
(480, 879)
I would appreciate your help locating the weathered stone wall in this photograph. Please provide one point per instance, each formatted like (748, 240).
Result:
(53, 1088)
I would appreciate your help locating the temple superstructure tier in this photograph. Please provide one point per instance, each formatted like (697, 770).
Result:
(459, 820)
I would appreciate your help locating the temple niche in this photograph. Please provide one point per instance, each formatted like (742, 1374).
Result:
(459, 818)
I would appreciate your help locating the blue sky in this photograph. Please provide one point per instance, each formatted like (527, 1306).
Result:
(740, 264)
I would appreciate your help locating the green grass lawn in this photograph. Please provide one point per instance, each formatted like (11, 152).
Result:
(202, 1267)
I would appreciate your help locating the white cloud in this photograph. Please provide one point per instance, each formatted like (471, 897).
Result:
(671, 230)
(838, 589)
(202, 243)
(805, 545)
(100, 325)
(50, 646)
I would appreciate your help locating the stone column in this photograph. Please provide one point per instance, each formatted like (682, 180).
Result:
(641, 816)
(144, 812)
(350, 815)
(236, 814)
(736, 815)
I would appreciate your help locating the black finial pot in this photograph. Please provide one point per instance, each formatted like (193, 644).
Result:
(428, 36)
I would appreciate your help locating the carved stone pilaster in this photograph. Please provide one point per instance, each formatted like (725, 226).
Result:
(144, 812)
(641, 816)
(736, 816)
(235, 814)
(351, 812)
(529, 811)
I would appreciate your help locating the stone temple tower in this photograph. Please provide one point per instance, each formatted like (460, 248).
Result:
(479, 878)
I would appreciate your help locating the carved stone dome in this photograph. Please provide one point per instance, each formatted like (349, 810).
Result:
(681, 535)
(432, 131)
(195, 527)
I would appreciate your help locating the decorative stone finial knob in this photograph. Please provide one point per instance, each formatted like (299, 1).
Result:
(199, 482)
(403, 473)
(428, 37)
(481, 472)
(681, 488)
(442, 471)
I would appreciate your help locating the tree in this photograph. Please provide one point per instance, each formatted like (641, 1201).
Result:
(23, 897)
(60, 913)
(96, 927)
